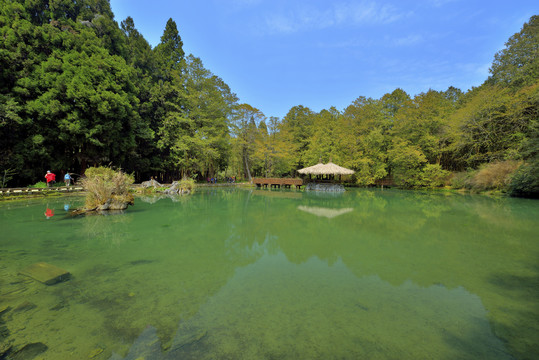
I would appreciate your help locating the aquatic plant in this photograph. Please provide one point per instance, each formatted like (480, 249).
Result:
(107, 189)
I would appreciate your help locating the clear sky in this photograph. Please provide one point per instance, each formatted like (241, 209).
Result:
(275, 54)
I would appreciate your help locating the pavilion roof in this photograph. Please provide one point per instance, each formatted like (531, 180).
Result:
(326, 169)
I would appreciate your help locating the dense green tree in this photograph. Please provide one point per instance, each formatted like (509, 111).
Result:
(407, 162)
(518, 64)
(297, 126)
(244, 131)
(364, 140)
(76, 89)
(169, 52)
(324, 142)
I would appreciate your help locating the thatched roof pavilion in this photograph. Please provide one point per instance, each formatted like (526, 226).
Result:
(326, 169)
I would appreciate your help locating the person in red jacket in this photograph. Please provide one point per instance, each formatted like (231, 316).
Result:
(51, 178)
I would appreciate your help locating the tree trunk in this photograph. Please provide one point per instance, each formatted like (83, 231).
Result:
(246, 164)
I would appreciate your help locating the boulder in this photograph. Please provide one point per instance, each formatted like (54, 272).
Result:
(116, 204)
(175, 189)
(150, 183)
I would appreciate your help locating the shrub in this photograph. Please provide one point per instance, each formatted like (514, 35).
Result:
(525, 181)
(40, 184)
(187, 184)
(104, 184)
(495, 175)
(434, 176)
(463, 180)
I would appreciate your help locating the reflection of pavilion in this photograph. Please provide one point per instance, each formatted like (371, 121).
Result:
(325, 212)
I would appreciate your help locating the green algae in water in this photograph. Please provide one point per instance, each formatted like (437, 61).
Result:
(240, 274)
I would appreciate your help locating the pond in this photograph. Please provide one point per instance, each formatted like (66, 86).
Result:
(267, 274)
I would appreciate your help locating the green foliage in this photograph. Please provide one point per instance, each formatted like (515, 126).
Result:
(76, 90)
(187, 184)
(462, 180)
(434, 176)
(525, 181)
(406, 162)
(39, 184)
(6, 176)
(518, 64)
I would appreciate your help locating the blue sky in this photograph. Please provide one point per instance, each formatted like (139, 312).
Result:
(275, 54)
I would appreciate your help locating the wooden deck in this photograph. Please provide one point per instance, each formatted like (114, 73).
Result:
(30, 191)
(277, 182)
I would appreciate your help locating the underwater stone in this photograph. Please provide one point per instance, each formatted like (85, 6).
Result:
(46, 273)
(5, 348)
(147, 346)
(4, 309)
(25, 306)
(29, 351)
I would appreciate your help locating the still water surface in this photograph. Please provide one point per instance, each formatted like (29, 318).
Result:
(259, 274)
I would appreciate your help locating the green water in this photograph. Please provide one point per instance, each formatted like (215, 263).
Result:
(258, 274)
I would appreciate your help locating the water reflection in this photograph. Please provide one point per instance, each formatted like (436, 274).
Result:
(324, 212)
(49, 213)
(225, 271)
(276, 309)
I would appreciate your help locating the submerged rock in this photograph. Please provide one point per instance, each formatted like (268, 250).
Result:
(45, 273)
(4, 309)
(29, 351)
(117, 204)
(147, 347)
(25, 306)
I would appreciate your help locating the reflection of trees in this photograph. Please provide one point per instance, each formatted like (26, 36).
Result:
(273, 308)
(429, 238)
(172, 258)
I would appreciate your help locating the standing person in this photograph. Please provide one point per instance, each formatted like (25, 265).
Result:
(51, 178)
(67, 179)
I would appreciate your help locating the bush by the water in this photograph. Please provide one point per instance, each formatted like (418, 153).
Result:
(39, 184)
(434, 176)
(525, 181)
(497, 175)
(105, 185)
(187, 184)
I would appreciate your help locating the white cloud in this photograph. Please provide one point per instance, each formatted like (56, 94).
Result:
(409, 40)
(245, 2)
(439, 3)
(339, 14)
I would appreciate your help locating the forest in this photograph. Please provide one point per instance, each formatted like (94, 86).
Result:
(77, 89)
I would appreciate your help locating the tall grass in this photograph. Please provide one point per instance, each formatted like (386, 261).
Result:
(105, 184)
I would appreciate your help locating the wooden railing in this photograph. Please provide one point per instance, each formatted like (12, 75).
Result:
(29, 191)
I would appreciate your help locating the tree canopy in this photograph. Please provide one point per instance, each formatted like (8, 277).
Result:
(79, 90)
